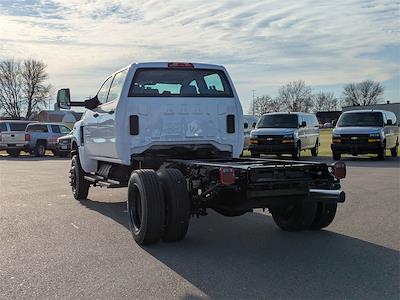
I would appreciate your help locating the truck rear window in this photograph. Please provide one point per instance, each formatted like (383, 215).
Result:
(17, 126)
(164, 82)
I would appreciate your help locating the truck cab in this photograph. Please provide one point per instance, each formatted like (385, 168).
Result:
(365, 132)
(170, 109)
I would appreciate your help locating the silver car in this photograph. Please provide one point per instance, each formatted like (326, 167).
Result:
(285, 133)
(365, 131)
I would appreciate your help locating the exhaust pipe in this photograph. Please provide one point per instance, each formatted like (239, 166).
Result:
(333, 196)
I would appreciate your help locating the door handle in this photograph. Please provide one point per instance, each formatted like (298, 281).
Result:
(95, 115)
(111, 112)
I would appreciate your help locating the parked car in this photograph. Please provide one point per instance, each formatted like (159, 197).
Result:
(328, 125)
(249, 123)
(285, 133)
(12, 136)
(364, 132)
(43, 136)
(173, 133)
(63, 146)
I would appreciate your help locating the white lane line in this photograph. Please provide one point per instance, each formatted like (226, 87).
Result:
(76, 227)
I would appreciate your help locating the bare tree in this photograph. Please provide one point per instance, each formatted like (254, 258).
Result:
(325, 101)
(366, 92)
(265, 104)
(10, 88)
(23, 87)
(36, 91)
(296, 96)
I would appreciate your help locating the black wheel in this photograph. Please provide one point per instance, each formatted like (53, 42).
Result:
(324, 216)
(295, 217)
(382, 152)
(177, 204)
(40, 149)
(80, 186)
(394, 150)
(14, 152)
(314, 151)
(146, 209)
(297, 152)
(256, 155)
(336, 155)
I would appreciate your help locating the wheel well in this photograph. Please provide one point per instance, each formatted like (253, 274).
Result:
(44, 142)
(74, 146)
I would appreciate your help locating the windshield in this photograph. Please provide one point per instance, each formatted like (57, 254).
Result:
(372, 119)
(278, 121)
(164, 82)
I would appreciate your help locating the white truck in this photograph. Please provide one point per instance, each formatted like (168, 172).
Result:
(173, 134)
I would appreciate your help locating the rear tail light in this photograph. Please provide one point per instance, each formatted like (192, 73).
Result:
(180, 65)
(339, 170)
(27, 137)
(227, 176)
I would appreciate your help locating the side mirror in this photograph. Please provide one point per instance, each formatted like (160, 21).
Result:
(246, 125)
(64, 99)
(389, 122)
(303, 124)
(334, 122)
(92, 103)
(254, 125)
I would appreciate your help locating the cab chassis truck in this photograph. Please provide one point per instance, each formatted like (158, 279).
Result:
(172, 133)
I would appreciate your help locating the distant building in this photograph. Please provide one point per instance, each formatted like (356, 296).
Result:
(393, 107)
(328, 116)
(59, 116)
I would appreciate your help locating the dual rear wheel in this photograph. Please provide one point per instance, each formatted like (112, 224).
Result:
(158, 206)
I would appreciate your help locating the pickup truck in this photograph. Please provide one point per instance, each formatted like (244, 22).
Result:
(173, 134)
(12, 136)
(40, 137)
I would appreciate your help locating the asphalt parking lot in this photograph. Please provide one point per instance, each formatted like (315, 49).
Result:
(55, 247)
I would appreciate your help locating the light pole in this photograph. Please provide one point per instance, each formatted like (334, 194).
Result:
(253, 100)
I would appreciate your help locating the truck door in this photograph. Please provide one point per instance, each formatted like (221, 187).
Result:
(91, 136)
(106, 120)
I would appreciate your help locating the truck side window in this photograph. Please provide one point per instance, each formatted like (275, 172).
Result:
(37, 128)
(55, 129)
(103, 92)
(117, 85)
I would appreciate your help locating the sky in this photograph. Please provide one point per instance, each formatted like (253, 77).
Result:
(263, 44)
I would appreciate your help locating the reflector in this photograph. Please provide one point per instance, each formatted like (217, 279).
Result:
(227, 176)
(339, 169)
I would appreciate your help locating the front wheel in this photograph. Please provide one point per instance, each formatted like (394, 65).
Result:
(297, 152)
(295, 217)
(382, 152)
(314, 151)
(146, 209)
(14, 152)
(80, 186)
(394, 150)
(336, 155)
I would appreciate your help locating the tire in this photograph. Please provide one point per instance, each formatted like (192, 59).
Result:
(146, 209)
(297, 152)
(177, 204)
(80, 186)
(296, 217)
(324, 215)
(255, 155)
(382, 152)
(40, 149)
(14, 152)
(314, 151)
(394, 150)
(336, 155)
